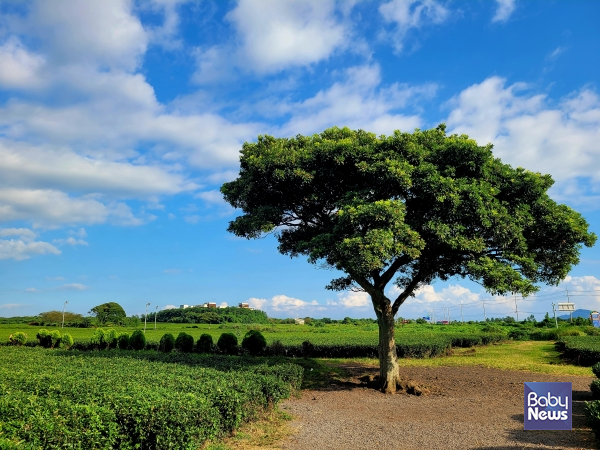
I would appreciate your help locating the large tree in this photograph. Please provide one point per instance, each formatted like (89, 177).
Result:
(407, 208)
(110, 312)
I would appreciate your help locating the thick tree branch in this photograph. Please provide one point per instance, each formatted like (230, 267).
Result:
(406, 293)
(385, 278)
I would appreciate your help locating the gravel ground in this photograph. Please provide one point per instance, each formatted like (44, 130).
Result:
(468, 408)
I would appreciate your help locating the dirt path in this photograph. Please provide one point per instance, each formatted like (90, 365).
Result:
(468, 408)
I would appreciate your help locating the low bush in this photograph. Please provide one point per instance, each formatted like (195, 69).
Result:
(66, 341)
(519, 335)
(254, 342)
(167, 343)
(137, 341)
(205, 344)
(17, 338)
(108, 400)
(307, 349)
(582, 350)
(123, 341)
(592, 414)
(184, 342)
(44, 338)
(227, 343)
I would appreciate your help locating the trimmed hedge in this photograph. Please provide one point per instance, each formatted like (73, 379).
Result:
(582, 350)
(146, 400)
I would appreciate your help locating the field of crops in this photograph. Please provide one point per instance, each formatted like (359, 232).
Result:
(583, 350)
(147, 400)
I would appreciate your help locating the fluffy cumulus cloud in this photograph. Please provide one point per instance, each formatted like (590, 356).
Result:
(283, 303)
(357, 101)
(408, 14)
(276, 35)
(527, 131)
(22, 244)
(504, 9)
(353, 299)
(108, 140)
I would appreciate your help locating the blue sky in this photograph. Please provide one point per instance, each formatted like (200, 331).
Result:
(119, 121)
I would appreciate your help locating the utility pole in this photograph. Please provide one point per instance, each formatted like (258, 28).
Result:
(516, 309)
(64, 307)
(554, 310)
(483, 303)
(146, 316)
(462, 319)
(569, 300)
(155, 314)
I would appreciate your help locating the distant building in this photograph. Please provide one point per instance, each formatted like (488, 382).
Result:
(184, 306)
(211, 305)
(244, 305)
(299, 321)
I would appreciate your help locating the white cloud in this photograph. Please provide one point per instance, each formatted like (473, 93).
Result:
(283, 303)
(24, 233)
(407, 14)
(31, 289)
(25, 246)
(55, 278)
(257, 303)
(193, 219)
(504, 10)
(560, 140)
(105, 34)
(353, 299)
(11, 305)
(223, 305)
(359, 101)
(170, 307)
(79, 233)
(19, 68)
(172, 271)
(276, 35)
(73, 287)
(48, 208)
(70, 241)
(213, 196)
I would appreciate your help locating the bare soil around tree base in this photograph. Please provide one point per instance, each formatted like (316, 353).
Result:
(466, 408)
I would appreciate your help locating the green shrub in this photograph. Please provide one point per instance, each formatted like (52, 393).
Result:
(518, 335)
(307, 349)
(44, 338)
(277, 348)
(66, 341)
(123, 341)
(227, 343)
(254, 342)
(592, 414)
(184, 342)
(205, 344)
(111, 337)
(55, 336)
(98, 339)
(17, 338)
(167, 343)
(137, 341)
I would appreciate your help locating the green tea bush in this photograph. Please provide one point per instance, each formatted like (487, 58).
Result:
(123, 341)
(184, 342)
(66, 341)
(44, 338)
(544, 334)
(519, 335)
(137, 341)
(276, 349)
(19, 338)
(109, 400)
(55, 337)
(98, 339)
(205, 344)
(167, 343)
(307, 349)
(592, 414)
(111, 338)
(254, 342)
(582, 350)
(227, 343)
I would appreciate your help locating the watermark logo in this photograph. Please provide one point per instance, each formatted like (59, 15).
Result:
(548, 406)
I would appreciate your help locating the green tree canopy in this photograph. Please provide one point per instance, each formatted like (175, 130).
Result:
(407, 208)
(110, 312)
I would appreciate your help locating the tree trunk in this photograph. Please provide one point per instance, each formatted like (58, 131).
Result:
(389, 373)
